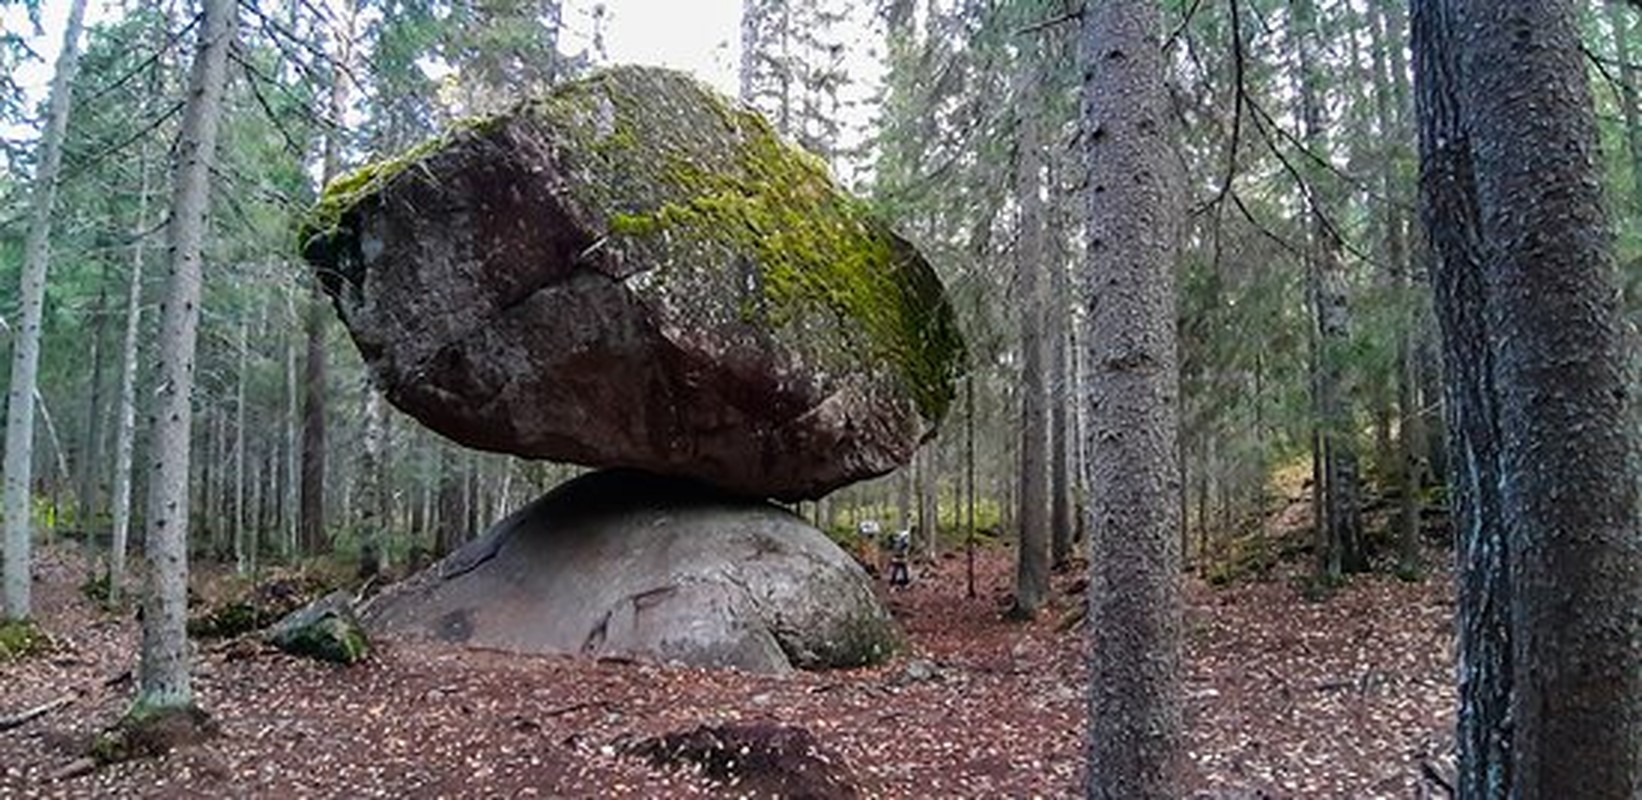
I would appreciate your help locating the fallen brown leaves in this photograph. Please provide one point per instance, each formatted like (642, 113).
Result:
(1284, 699)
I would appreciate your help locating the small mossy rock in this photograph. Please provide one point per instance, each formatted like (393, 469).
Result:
(623, 563)
(325, 629)
(634, 272)
(152, 731)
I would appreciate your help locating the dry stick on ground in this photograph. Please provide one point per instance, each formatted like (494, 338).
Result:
(22, 718)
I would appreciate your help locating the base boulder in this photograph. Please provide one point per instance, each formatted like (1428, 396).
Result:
(623, 563)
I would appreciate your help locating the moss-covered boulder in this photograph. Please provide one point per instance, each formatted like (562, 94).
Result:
(326, 630)
(633, 271)
(623, 563)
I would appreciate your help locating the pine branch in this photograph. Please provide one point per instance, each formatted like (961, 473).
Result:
(170, 42)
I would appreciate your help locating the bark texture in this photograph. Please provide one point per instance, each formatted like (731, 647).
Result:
(1546, 502)
(25, 362)
(1032, 563)
(1134, 516)
(1448, 205)
(1569, 506)
(1338, 520)
(125, 426)
(164, 674)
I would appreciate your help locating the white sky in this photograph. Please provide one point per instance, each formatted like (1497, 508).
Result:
(699, 36)
(702, 37)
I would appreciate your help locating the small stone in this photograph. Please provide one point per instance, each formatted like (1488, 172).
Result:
(920, 670)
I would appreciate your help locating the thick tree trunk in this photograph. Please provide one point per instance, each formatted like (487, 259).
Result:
(1568, 504)
(164, 670)
(1135, 743)
(1032, 566)
(25, 362)
(452, 504)
(1448, 204)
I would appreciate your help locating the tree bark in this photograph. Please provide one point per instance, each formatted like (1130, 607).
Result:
(1390, 113)
(125, 426)
(315, 539)
(1060, 385)
(1336, 439)
(1568, 504)
(91, 458)
(164, 670)
(1032, 565)
(25, 362)
(1448, 204)
(241, 556)
(1134, 213)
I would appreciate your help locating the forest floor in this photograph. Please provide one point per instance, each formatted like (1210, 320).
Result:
(1285, 698)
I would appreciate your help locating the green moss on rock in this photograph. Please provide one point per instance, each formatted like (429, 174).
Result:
(707, 178)
(710, 202)
(326, 630)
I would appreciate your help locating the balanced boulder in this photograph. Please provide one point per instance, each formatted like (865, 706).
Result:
(632, 271)
(623, 563)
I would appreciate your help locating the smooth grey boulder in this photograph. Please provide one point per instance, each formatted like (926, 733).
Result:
(623, 563)
(633, 271)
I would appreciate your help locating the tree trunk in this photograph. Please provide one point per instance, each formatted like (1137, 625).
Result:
(91, 459)
(1568, 503)
(969, 484)
(373, 497)
(1135, 743)
(1336, 438)
(314, 386)
(125, 427)
(1061, 400)
(164, 682)
(25, 362)
(929, 502)
(290, 499)
(241, 563)
(1448, 204)
(1390, 112)
(452, 504)
(1032, 565)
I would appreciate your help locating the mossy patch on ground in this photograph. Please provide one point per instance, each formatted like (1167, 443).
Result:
(20, 639)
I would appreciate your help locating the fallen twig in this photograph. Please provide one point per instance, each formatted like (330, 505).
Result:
(22, 718)
(74, 769)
